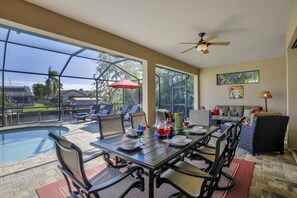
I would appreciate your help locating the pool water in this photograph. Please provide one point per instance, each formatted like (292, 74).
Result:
(20, 144)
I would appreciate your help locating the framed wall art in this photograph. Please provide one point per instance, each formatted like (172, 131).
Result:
(236, 92)
(245, 77)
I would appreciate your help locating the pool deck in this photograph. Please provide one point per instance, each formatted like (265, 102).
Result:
(274, 175)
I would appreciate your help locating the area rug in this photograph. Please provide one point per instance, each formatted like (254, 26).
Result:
(242, 171)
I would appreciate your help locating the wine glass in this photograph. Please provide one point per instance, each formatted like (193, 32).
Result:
(167, 130)
(168, 121)
(140, 132)
(186, 122)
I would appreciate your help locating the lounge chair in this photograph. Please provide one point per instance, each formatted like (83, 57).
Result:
(134, 109)
(84, 115)
(105, 112)
(125, 109)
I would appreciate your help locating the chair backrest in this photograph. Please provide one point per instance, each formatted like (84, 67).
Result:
(138, 118)
(200, 117)
(235, 137)
(222, 145)
(110, 125)
(107, 109)
(71, 161)
(125, 109)
(96, 108)
(270, 128)
(160, 115)
(134, 109)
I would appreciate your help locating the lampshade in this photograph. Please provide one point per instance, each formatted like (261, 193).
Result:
(265, 94)
(201, 47)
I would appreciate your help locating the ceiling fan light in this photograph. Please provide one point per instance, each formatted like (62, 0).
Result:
(201, 47)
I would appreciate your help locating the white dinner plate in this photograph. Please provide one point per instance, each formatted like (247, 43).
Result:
(129, 148)
(172, 142)
(197, 131)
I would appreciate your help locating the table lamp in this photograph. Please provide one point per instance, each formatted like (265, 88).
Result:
(265, 95)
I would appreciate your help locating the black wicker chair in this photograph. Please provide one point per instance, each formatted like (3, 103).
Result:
(266, 134)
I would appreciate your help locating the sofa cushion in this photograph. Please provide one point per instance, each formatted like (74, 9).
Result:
(236, 108)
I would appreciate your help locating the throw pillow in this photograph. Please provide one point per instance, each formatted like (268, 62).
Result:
(256, 111)
(104, 112)
(216, 112)
(247, 113)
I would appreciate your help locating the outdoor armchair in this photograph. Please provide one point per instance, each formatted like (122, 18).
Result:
(265, 134)
(109, 182)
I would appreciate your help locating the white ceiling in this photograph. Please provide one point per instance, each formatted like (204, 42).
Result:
(255, 28)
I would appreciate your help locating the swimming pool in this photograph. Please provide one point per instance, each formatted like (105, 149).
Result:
(19, 144)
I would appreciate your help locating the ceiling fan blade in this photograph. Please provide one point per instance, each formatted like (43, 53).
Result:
(188, 43)
(205, 51)
(188, 49)
(211, 37)
(219, 43)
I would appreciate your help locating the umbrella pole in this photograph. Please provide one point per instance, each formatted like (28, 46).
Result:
(123, 96)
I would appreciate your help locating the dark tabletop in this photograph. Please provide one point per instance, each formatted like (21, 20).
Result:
(154, 152)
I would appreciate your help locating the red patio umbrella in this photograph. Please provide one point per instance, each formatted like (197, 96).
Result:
(125, 84)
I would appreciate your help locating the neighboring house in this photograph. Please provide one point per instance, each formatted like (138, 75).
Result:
(75, 97)
(21, 95)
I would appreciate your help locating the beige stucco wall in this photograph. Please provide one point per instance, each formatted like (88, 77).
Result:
(292, 79)
(48, 22)
(272, 78)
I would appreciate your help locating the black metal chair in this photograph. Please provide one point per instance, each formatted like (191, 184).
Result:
(107, 183)
(190, 180)
(207, 152)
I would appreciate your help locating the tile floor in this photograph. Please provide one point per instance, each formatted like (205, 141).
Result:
(274, 175)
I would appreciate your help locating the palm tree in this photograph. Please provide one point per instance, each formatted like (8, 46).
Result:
(52, 82)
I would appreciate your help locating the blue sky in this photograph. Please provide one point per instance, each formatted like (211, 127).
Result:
(22, 58)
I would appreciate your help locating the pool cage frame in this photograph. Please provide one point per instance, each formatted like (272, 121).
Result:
(71, 55)
(172, 87)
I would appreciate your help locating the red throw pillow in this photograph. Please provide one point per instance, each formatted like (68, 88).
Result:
(216, 112)
(256, 111)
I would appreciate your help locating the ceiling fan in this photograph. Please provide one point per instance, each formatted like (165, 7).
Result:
(202, 44)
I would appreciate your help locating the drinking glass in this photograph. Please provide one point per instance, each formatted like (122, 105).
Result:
(168, 121)
(140, 132)
(167, 131)
(186, 122)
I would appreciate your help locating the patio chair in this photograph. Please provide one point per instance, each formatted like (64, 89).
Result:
(109, 182)
(138, 118)
(110, 125)
(192, 181)
(266, 133)
(207, 152)
(83, 115)
(105, 112)
(200, 117)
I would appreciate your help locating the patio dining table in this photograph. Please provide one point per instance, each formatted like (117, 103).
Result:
(153, 153)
